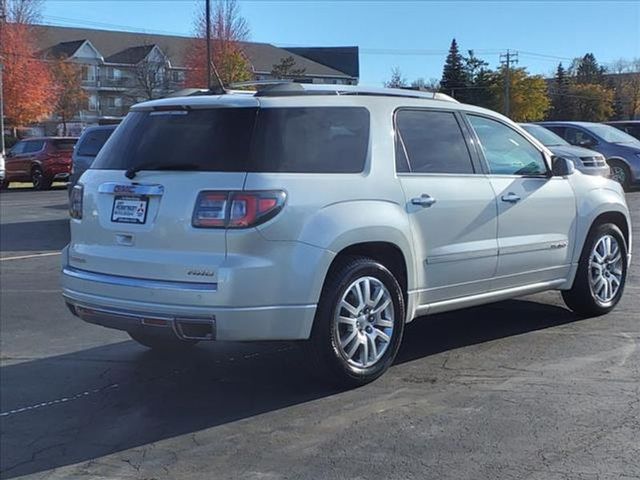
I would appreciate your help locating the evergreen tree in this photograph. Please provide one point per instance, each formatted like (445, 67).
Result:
(589, 71)
(454, 76)
(562, 107)
(479, 80)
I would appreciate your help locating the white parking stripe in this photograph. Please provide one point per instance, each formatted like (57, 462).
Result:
(35, 255)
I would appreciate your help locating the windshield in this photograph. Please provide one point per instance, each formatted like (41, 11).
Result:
(546, 137)
(611, 134)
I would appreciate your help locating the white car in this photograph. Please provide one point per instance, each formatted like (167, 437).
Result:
(331, 215)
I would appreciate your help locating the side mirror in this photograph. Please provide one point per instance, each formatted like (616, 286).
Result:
(561, 167)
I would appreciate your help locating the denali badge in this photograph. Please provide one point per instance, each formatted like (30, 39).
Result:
(200, 273)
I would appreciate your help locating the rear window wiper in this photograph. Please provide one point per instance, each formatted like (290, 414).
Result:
(131, 171)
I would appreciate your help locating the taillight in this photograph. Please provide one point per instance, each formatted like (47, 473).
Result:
(236, 209)
(75, 202)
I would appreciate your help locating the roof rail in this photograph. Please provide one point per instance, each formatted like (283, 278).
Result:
(280, 88)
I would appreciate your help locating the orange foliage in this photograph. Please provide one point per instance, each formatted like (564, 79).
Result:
(28, 87)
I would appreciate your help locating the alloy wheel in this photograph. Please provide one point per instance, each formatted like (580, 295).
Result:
(364, 322)
(605, 269)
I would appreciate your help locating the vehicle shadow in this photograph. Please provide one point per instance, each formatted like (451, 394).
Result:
(34, 236)
(121, 396)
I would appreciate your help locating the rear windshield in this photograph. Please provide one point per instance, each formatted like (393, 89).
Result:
(294, 140)
(65, 144)
(92, 142)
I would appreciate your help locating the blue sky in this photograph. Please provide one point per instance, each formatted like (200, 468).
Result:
(411, 35)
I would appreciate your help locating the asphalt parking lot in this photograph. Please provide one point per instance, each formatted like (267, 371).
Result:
(518, 389)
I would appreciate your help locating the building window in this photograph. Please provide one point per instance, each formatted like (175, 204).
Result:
(88, 73)
(114, 102)
(93, 103)
(177, 76)
(114, 73)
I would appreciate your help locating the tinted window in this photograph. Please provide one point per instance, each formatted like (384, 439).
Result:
(18, 148)
(557, 130)
(430, 142)
(321, 139)
(610, 134)
(64, 144)
(216, 139)
(311, 140)
(506, 151)
(33, 146)
(92, 142)
(579, 137)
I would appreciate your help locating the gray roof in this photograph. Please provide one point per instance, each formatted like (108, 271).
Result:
(63, 49)
(344, 59)
(131, 55)
(109, 43)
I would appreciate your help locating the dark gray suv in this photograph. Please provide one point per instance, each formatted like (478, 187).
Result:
(621, 150)
(86, 150)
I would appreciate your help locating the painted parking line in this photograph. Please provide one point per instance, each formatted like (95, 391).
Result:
(35, 255)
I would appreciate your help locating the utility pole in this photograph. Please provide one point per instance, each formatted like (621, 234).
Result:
(208, 23)
(507, 59)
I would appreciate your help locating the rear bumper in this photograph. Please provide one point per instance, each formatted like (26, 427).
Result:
(270, 322)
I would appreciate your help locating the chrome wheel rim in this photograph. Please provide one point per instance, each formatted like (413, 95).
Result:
(618, 174)
(605, 269)
(364, 322)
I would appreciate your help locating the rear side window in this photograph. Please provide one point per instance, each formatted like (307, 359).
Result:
(33, 146)
(92, 142)
(311, 140)
(64, 145)
(295, 140)
(430, 142)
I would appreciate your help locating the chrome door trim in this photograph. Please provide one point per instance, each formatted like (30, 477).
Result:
(487, 297)
(138, 282)
(131, 189)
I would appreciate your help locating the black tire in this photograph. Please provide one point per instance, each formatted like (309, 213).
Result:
(4, 185)
(163, 342)
(328, 362)
(620, 173)
(581, 298)
(39, 180)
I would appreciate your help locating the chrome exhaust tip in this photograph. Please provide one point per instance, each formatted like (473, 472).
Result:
(195, 328)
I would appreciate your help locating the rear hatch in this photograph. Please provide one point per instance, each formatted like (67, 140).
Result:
(60, 152)
(140, 192)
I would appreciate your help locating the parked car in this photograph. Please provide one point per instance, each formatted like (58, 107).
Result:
(294, 214)
(40, 160)
(585, 160)
(632, 127)
(85, 151)
(2, 172)
(621, 150)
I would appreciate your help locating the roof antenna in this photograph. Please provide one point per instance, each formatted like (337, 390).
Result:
(219, 87)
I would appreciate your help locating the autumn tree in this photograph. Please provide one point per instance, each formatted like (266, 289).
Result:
(228, 30)
(28, 87)
(70, 96)
(528, 96)
(397, 80)
(627, 88)
(286, 68)
(592, 102)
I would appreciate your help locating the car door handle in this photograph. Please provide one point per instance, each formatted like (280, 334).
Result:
(423, 200)
(511, 198)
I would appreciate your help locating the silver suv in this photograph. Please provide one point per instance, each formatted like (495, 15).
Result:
(331, 215)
